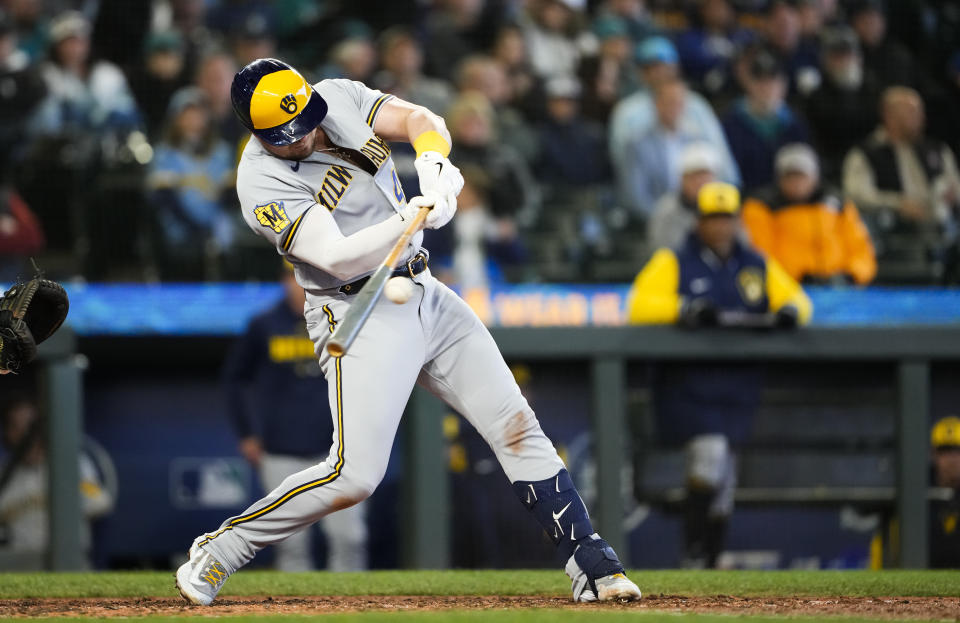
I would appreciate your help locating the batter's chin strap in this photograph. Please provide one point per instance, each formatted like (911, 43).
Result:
(558, 507)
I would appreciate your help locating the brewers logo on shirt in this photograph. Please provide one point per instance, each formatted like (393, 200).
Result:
(750, 284)
(272, 215)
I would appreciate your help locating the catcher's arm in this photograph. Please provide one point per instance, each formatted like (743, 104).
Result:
(29, 313)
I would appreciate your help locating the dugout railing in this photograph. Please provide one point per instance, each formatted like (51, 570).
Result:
(608, 351)
(60, 392)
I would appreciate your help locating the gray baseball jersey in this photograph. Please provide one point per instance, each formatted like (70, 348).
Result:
(275, 194)
(433, 339)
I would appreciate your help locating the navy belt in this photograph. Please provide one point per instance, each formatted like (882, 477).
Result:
(411, 268)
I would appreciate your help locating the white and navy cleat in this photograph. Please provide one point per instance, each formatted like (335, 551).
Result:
(606, 580)
(200, 578)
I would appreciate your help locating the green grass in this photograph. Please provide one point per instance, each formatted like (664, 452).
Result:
(690, 583)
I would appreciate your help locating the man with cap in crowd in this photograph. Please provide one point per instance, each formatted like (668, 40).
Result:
(84, 93)
(761, 122)
(708, 48)
(636, 115)
(610, 75)
(782, 31)
(158, 77)
(675, 213)
(21, 90)
(711, 279)
(816, 235)
(842, 111)
(271, 380)
(945, 513)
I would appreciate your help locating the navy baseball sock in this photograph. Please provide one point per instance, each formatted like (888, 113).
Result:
(558, 507)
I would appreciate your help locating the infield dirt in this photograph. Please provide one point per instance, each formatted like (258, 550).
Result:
(870, 607)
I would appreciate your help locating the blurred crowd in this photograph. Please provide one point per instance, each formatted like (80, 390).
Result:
(584, 129)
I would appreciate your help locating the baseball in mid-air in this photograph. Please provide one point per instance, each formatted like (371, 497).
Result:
(399, 289)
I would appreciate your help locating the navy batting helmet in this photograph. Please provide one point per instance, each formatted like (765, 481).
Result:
(275, 102)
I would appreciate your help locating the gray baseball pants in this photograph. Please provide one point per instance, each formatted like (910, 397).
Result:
(434, 340)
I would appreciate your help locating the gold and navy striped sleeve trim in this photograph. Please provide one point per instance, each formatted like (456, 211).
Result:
(333, 475)
(291, 234)
(376, 108)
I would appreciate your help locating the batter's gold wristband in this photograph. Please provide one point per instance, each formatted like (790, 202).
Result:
(431, 141)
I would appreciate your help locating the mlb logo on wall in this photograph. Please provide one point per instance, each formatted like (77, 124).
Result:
(207, 482)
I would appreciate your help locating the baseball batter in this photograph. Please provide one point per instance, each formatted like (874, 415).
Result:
(317, 180)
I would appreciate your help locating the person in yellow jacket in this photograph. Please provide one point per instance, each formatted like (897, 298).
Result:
(817, 236)
(712, 279)
(945, 512)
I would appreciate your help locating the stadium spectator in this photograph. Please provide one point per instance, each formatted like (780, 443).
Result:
(252, 38)
(711, 278)
(187, 17)
(401, 60)
(31, 27)
(636, 116)
(190, 187)
(214, 77)
(24, 514)
(651, 166)
(84, 95)
(512, 186)
(526, 90)
(634, 14)
(234, 16)
(479, 249)
(159, 76)
(707, 49)
(552, 32)
(945, 513)
(572, 149)
(842, 111)
(761, 122)
(274, 392)
(900, 172)
(609, 75)
(812, 19)
(806, 226)
(783, 37)
(21, 235)
(21, 90)
(354, 58)
(886, 61)
(455, 29)
(675, 213)
(481, 74)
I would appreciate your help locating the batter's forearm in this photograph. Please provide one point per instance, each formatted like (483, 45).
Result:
(320, 243)
(428, 132)
(402, 121)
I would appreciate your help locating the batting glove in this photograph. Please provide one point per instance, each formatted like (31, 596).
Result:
(437, 175)
(443, 209)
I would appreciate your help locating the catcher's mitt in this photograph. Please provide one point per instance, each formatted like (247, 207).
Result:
(29, 313)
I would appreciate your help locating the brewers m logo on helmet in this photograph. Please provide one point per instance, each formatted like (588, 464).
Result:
(275, 102)
(289, 104)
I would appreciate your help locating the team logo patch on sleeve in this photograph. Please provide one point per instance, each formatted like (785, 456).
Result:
(272, 215)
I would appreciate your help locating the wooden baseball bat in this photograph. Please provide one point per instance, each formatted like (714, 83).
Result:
(348, 328)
